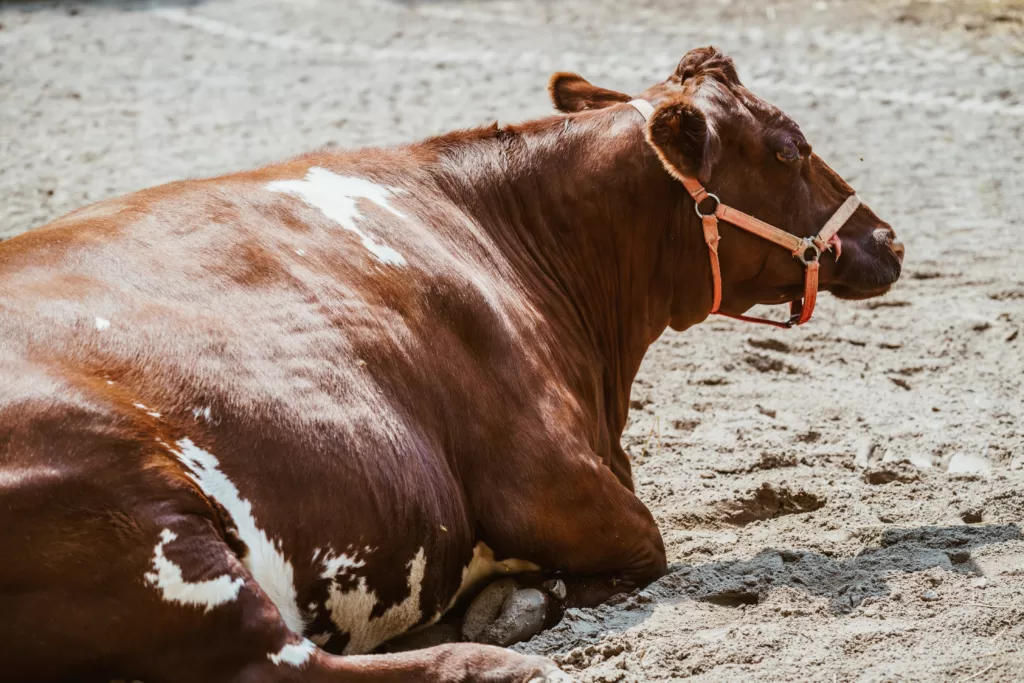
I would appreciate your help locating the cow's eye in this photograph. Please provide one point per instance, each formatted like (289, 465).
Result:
(787, 150)
(788, 156)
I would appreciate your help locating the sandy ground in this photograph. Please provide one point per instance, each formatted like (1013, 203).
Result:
(840, 503)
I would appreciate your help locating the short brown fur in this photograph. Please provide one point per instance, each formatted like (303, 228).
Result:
(476, 393)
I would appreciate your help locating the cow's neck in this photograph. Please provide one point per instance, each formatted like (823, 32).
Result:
(602, 239)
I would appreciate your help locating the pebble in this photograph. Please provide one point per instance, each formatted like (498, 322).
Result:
(963, 463)
(929, 596)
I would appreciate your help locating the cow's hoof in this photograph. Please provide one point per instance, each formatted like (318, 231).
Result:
(555, 588)
(521, 618)
(486, 607)
(505, 613)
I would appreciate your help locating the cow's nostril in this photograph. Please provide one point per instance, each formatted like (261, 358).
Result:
(897, 248)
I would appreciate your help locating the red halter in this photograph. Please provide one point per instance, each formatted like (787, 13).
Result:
(807, 250)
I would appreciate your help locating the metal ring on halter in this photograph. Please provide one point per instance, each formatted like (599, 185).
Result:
(806, 245)
(696, 205)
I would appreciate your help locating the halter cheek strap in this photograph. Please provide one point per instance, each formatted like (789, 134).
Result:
(807, 250)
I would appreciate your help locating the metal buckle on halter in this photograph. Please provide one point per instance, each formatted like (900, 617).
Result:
(709, 195)
(807, 245)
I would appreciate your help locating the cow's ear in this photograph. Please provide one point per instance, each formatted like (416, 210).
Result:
(571, 92)
(686, 144)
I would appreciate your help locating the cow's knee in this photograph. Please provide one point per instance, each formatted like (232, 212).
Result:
(596, 533)
(590, 590)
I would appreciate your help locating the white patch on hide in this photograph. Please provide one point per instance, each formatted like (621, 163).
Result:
(337, 197)
(294, 654)
(265, 559)
(167, 578)
(338, 565)
(144, 407)
(102, 324)
(350, 611)
(202, 413)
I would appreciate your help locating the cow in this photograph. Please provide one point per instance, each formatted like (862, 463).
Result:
(253, 427)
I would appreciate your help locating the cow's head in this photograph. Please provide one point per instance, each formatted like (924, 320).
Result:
(707, 125)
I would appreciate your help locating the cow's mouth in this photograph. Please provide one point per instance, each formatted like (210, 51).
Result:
(871, 279)
(855, 294)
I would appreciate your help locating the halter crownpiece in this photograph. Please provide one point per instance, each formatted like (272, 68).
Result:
(807, 250)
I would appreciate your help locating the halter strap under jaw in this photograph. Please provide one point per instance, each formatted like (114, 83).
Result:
(807, 250)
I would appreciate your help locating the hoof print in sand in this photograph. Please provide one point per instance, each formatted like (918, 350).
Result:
(886, 472)
(767, 502)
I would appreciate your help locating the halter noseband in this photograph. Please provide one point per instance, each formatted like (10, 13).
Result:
(807, 250)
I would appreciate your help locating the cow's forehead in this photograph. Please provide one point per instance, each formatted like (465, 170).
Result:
(732, 103)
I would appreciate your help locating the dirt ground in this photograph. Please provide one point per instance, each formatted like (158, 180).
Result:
(844, 502)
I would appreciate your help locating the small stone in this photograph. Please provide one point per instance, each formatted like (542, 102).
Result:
(980, 582)
(921, 460)
(840, 536)
(863, 456)
(964, 463)
(930, 596)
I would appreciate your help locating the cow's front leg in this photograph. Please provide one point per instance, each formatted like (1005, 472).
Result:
(573, 517)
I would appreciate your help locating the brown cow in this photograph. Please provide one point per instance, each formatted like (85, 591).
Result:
(310, 405)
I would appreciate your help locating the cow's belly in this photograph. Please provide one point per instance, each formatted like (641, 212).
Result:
(355, 617)
(358, 624)
(346, 580)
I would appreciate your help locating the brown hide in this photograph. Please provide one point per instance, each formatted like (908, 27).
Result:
(390, 356)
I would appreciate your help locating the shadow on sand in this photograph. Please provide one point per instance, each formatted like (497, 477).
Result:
(845, 581)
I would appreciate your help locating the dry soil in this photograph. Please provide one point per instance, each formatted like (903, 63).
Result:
(840, 503)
